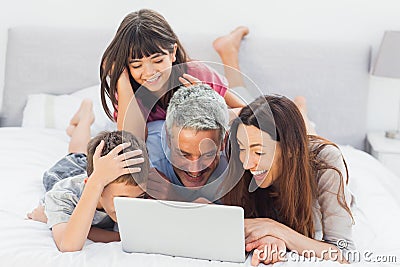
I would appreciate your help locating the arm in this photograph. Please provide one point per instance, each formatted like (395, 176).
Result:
(233, 114)
(257, 228)
(336, 221)
(130, 117)
(230, 99)
(233, 101)
(71, 235)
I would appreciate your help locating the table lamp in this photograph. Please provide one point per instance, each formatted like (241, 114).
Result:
(387, 64)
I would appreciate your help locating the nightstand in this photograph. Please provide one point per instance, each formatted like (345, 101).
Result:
(386, 150)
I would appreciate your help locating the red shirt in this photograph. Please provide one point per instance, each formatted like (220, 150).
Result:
(199, 70)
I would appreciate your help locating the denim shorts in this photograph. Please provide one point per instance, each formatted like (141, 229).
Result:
(71, 165)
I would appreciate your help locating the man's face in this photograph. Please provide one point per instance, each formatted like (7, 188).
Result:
(194, 154)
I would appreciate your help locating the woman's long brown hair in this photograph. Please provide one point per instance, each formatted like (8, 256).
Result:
(140, 34)
(291, 198)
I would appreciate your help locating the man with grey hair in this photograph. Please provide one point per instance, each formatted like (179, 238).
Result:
(188, 149)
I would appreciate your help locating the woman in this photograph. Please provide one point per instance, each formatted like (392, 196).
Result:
(293, 184)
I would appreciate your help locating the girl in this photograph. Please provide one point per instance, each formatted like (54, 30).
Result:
(144, 65)
(293, 184)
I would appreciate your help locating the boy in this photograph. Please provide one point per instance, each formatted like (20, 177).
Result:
(77, 207)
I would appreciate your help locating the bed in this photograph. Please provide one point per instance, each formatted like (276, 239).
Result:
(49, 70)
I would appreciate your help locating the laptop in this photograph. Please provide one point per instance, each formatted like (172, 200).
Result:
(202, 231)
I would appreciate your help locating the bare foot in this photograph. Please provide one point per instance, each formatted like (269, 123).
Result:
(38, 214)
(301, 104)
(84, 114)
(230, 43)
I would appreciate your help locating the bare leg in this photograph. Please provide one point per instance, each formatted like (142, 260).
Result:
(227, 47)
(300, 102)
(79, 129)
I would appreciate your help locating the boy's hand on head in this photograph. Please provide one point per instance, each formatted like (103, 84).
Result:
(111, 166)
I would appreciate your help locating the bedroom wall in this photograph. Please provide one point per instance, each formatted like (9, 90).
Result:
(330, 20)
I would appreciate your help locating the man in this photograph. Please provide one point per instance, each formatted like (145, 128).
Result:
(188, 149)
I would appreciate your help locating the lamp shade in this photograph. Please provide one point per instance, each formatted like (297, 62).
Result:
(387, 63)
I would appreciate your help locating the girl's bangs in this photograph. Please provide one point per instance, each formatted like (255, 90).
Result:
(141, 46)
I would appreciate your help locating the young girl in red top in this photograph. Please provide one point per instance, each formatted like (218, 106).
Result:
(144, 65)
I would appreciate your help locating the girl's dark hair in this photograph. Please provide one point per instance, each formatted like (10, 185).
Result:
(140, 34)
(291, 198)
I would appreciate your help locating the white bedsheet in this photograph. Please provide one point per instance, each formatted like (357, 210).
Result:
(26, 153)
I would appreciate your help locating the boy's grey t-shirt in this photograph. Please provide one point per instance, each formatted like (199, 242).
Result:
(62, 199)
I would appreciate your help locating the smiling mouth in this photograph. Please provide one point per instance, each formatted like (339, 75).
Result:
(259, 176)
(257, 173)
(154, 78)
(195, 178)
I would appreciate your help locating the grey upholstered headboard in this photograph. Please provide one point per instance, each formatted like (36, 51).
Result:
(49, 60)
(332, 76)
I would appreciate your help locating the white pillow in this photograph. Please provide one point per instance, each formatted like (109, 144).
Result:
(51, 111)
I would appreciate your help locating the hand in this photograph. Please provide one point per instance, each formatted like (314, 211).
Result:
(38, 214)
(257, 228)
(267, 249)
(158, 186)
(188, 80)
(111, 166)
(202, 200)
